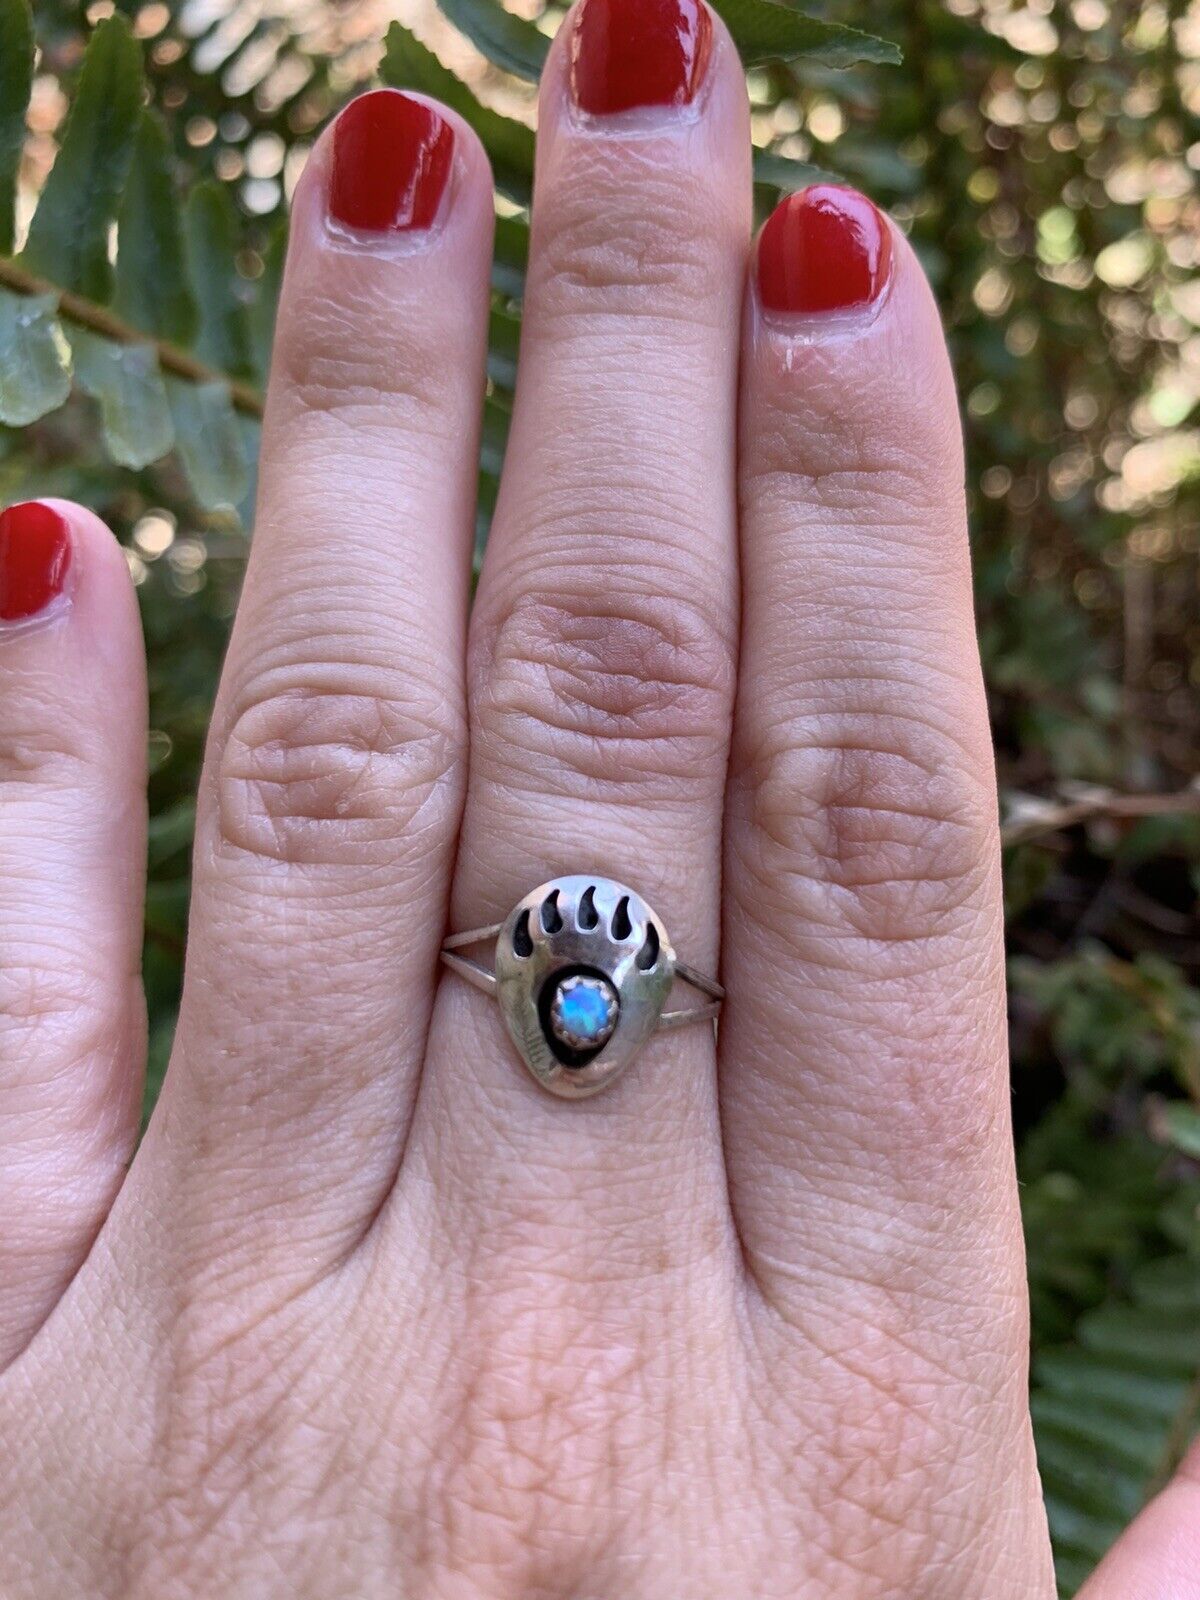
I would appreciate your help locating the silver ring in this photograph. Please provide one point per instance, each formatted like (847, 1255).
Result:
(583, 968)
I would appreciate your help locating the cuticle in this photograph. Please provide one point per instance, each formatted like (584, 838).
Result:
(49, 615)
(817, 327)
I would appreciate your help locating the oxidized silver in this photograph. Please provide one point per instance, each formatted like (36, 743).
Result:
(583, 969)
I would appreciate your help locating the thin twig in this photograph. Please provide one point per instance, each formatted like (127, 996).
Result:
(76, 308)
(1041, 817)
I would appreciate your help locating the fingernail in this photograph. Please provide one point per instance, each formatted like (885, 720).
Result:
(826, 249)
(627, 53)
(391, 161)
(35, 557)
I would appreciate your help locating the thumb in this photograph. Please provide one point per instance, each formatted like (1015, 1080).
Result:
(1158, 1556)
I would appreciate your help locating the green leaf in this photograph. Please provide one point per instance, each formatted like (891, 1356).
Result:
(485, 508)
(209, 442)
(407, 64)
(504, 337)
(511, 256)
(1087, 1382)
(34, 376)
(250, 433)
(496, 418)
(764, 31)
(507, 41)
(788, 174)
(171, 832)
(125, 380)
(1171, 1284)
(1085, 1481)
(16, 80)
(1181, 1124)
(1149, 1341)
(68, 237)
(1083, 1531)
(152, 289)
(266, 301)
(210, 223)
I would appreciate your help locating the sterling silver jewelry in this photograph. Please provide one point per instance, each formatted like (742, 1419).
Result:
(583, 969)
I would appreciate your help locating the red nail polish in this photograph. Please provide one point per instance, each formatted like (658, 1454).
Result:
(35, 556)
(826, 249)
(627, 53)
(391, 161)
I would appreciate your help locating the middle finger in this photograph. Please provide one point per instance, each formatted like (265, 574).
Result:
(601, 663)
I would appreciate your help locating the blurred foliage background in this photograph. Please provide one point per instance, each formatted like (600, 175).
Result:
(1044, 158)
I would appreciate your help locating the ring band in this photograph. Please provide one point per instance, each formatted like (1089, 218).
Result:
(583, 968)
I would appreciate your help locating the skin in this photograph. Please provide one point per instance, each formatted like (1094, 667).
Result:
(370, 1315)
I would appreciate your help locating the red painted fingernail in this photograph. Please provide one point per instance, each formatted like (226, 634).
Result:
(627, 53)
(35, 557)
(826, 249)
(391, 161)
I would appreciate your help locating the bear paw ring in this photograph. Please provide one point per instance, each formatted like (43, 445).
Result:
(583, 969)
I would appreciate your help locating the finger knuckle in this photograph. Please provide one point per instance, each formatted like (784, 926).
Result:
(326, 369)
(600, 254)
(877, 453)
(60, 1015)
(606, 697)
(881, 826)
(319, 775)
(39, 755)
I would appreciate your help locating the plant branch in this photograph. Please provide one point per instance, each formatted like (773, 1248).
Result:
(1036, 817)
(98, 319)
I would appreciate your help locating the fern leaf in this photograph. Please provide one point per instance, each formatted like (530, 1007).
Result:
(508, 41)
(766, 31)
(126, 382)
(1114, 1411)
(68, 237)
(152, 288)
(34, 375)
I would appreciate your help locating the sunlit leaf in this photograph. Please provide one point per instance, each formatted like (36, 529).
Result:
(68, 237)
(34, 375)
(16, 77)
(408, 64)
(152, 288)
(508, 41)
(125, 380)
(209, 442)
(764, 31)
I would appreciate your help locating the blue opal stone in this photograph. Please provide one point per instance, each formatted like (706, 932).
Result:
(584, 1011)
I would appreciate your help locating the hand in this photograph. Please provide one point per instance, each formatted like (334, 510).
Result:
(371, 1315)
